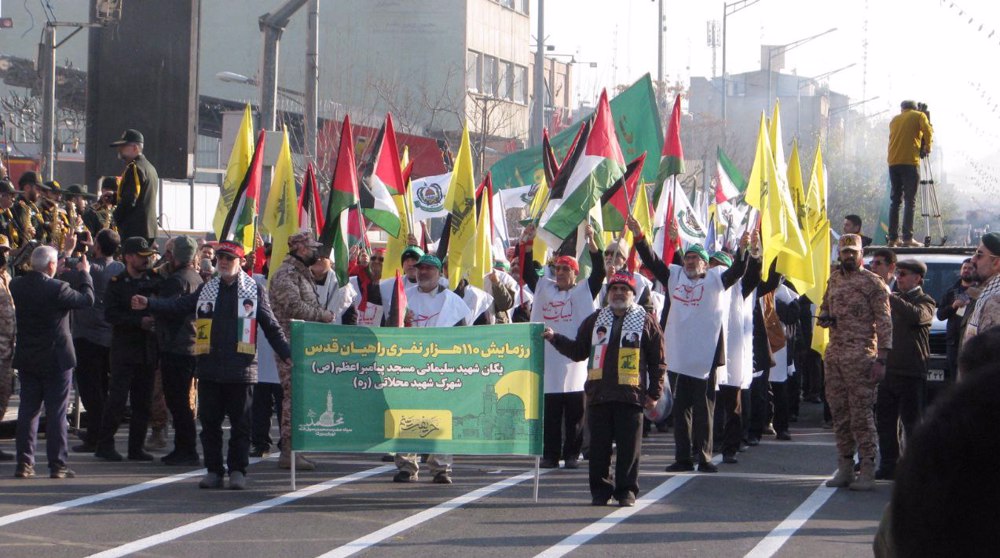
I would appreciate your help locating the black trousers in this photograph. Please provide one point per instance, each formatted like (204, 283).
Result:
(93, 371)
(267, 399)
(899, 399)
(620, 423)
(780, 396)
(728, 407)
(694, 407)
(760, 404)
(132, 374)
(904, 180)
(216, 401)
(810, 366)
(793, 392)
(177, 373)
(563, 413)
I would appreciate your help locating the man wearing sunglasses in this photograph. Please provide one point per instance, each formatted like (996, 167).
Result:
(986, 260)
(901, 393)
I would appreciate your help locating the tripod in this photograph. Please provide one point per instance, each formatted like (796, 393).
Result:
(929, 208)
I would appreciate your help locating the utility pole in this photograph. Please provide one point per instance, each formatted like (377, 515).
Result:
(309, 112)
(661, 27)
(47, 65)
(538, 107)
(729, 9)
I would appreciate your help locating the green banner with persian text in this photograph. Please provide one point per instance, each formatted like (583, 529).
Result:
(461, 390)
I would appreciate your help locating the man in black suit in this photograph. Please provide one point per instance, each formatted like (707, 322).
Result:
(45, 357)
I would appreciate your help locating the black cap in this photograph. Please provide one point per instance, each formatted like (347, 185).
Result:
(6, 187)
(29, 177)
(77, 190)
(128, 136)
(109, 183)
(137, 245)
(52, 186)
(913, 266)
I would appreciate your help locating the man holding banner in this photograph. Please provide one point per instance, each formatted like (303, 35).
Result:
(430, 304)
(625, 374)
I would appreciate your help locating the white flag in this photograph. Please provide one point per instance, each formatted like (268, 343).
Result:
(428, 196)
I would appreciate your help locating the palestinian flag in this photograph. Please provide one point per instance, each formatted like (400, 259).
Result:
(310, 214)
(618, 200)
(596, 163)
(672, 160)
(397, 306)
(384, 181)
(240, 224)
(343, 196)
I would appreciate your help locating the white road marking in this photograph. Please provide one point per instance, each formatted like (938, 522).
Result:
(384, 533)
(93, 499)
(219, 519)
(584, 535)
(774, 540)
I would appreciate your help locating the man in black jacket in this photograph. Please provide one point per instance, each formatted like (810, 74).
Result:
(625, 374)
(901, 393)
(225, 348)
(45, 358)
(135, 214)
(175, 336)
(133, 354)
(954, 306)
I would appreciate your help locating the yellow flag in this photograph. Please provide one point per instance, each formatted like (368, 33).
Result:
(461, 205)
(483, 258)
(394, 246)
(538, 247)
(818, 234)
(779, 229)
(797, 268)
(281, 215)
(239, 160)
(640, 210)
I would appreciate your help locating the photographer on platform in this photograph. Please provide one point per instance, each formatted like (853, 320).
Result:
(909, 141)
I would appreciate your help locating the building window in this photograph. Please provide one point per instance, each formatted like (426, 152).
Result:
(509, 4)
(491, 70)
(525, 6)
(473, 70)
(520, 84)
(506, 81)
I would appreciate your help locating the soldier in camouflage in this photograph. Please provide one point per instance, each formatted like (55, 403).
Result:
(293, 297)
(6, 335)
(856, 310)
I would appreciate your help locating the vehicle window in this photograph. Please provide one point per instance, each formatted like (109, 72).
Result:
(940, 276)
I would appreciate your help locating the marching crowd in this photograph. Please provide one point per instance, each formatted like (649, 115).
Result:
(191, 332)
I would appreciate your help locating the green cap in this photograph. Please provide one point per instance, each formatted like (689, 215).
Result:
(697, 249)
(430, 260)
(723, 258)
(411, 252)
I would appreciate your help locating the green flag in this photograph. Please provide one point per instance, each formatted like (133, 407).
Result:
(637, 125)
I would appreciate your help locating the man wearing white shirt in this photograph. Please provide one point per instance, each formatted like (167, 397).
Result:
(429, 304)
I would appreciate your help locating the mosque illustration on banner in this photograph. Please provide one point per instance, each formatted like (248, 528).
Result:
(509, 410)
(327, 419)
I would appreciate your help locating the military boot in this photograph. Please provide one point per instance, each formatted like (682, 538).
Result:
(845, 473)
(866, 478)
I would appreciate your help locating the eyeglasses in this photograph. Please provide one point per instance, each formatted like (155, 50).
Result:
(981, 254)
(225, 256)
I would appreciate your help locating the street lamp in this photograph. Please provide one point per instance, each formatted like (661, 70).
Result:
(233, 77)
(773, 51)
(798, 92)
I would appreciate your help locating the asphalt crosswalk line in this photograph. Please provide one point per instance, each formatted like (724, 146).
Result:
(770, 544)
(212, 521)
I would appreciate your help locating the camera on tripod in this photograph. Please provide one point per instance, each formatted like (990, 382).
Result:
(922, 107)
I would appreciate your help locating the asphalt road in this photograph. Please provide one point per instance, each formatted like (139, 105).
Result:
(770, 504)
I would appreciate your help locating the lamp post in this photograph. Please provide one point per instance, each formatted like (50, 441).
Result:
(729, 9)
(773, 51)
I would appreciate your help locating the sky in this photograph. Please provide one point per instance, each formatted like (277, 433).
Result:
(926, 50)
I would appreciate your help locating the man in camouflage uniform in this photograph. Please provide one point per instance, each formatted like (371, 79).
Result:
(293, 297)
(856, 310)
(6, 335)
